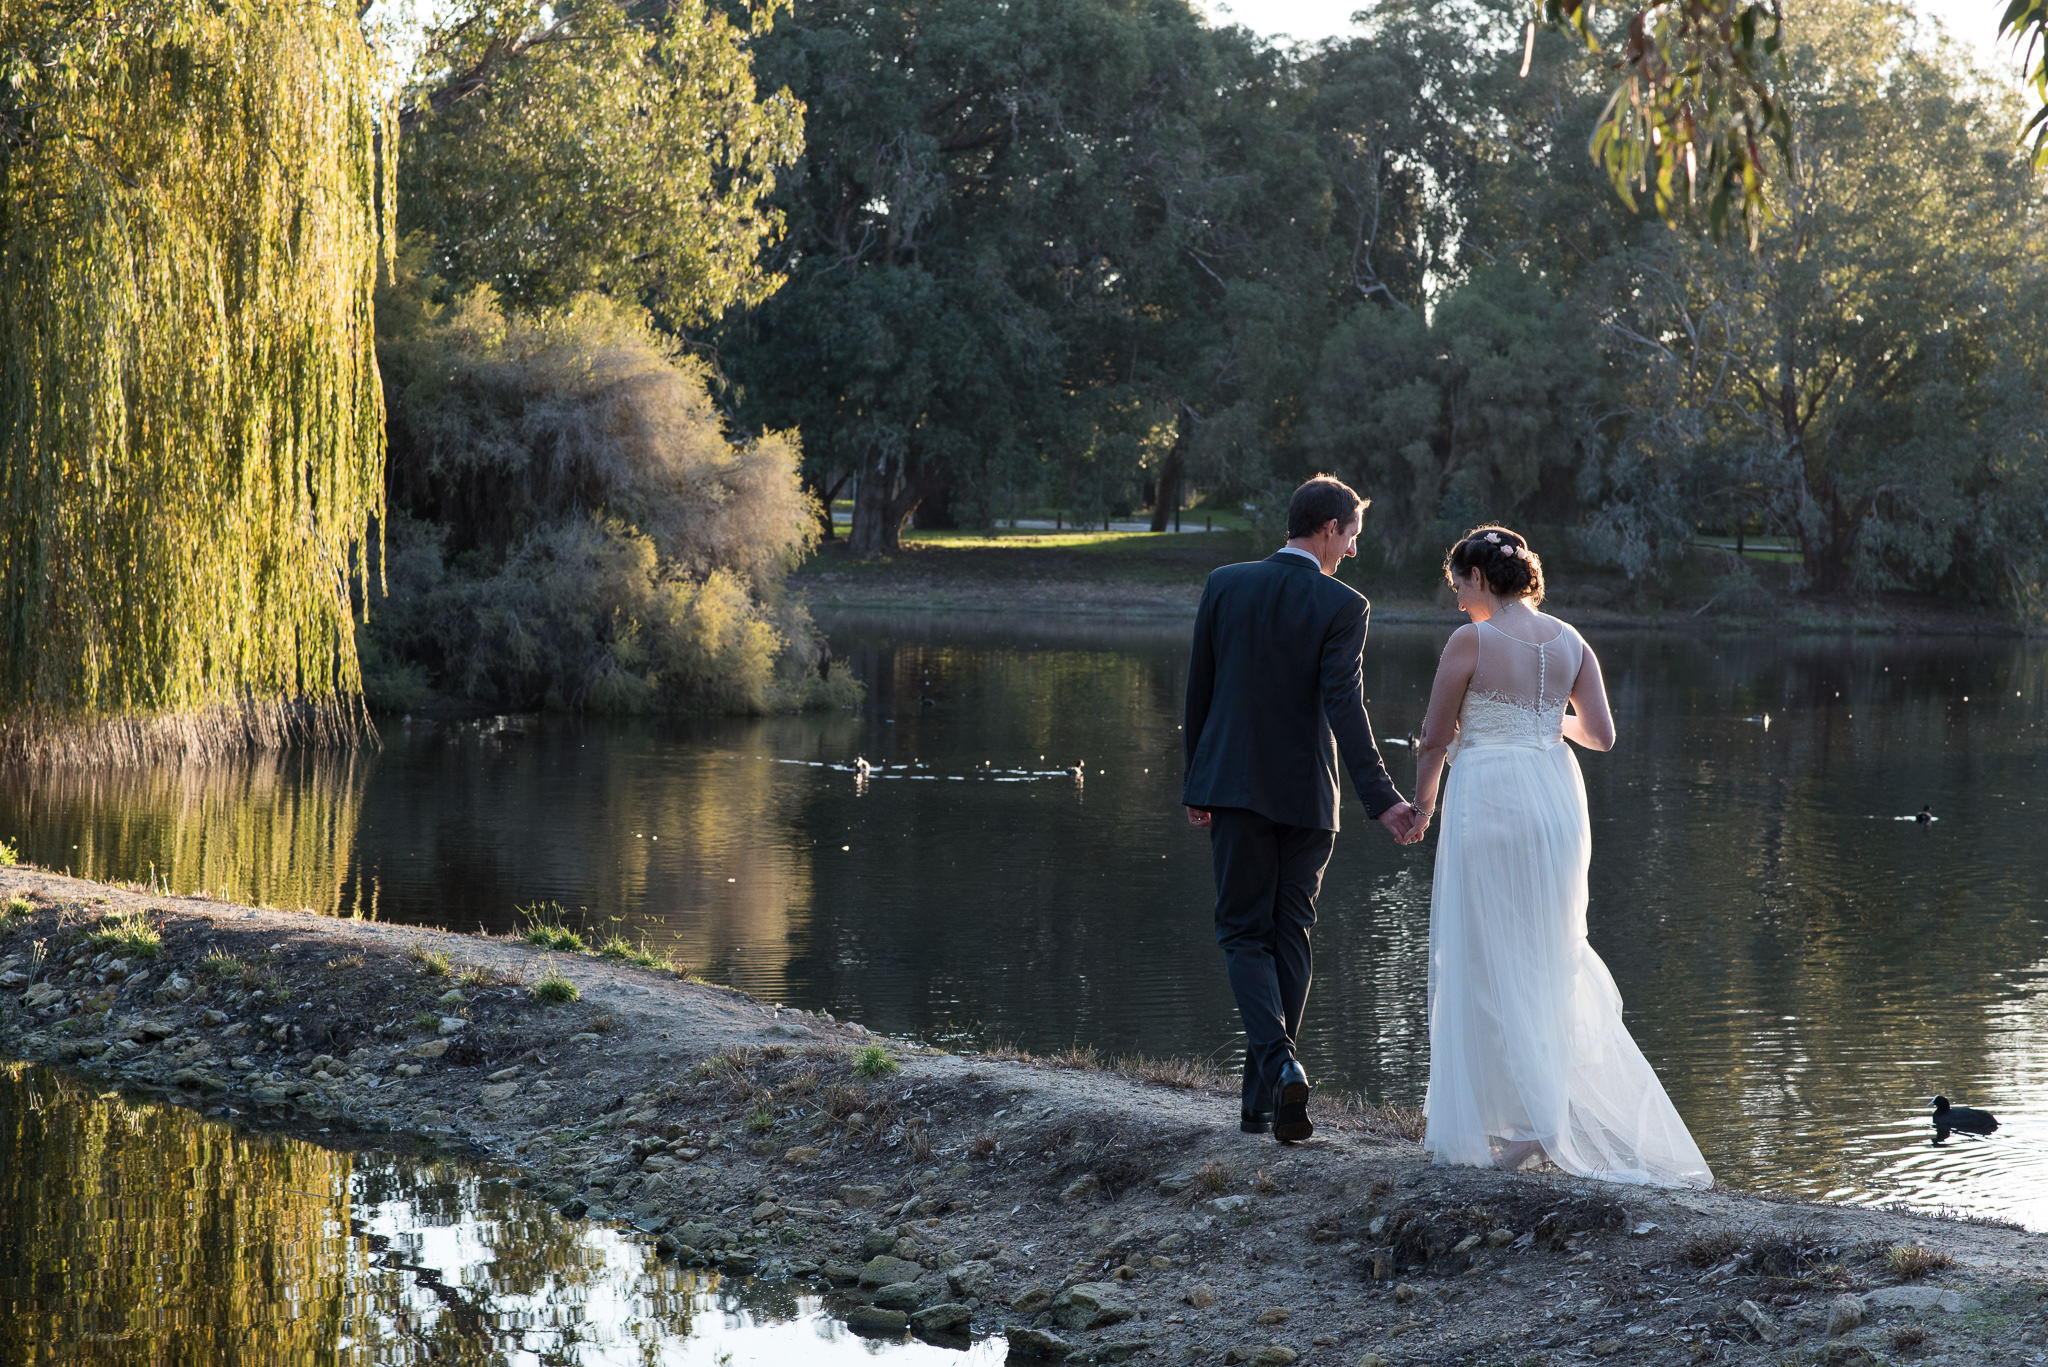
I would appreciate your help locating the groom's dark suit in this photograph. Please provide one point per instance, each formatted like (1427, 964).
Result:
(1275, 703)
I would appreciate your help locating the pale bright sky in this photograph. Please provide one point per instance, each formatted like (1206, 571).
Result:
(1975, 22)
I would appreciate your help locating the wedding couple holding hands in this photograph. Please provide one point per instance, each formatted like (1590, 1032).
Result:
(1529, 1061)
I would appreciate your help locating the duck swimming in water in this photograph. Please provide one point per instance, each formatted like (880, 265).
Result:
(1926, 814)
(1968, 1119)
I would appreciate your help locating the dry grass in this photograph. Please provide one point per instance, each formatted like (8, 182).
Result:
(1211, 1178)
(1264, 1185)
(1907, 1336)
(1911, 1262)
(985, 1145)
(1710, 1248)
(347, 961)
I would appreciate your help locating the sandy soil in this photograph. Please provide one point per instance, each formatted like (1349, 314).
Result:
(1086, 1213)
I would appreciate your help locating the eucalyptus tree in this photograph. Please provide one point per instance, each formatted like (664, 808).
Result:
(605, 146)
(189, 238)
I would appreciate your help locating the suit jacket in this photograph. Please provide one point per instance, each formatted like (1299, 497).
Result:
(1276, 695)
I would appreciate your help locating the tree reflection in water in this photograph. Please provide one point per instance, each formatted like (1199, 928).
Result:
(133, 1232)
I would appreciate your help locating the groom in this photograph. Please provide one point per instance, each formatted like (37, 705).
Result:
(1276, 701)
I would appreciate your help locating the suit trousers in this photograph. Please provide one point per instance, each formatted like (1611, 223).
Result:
(1267, 878)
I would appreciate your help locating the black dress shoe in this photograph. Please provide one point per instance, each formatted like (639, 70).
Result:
(1255, 1122)
(1290, 1120)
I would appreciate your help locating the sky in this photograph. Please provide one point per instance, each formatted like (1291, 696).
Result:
(1975, 22)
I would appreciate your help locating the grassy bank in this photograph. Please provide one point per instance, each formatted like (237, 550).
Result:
(1089, 1210)
(1124, 573)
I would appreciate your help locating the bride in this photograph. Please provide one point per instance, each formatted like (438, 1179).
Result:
(1528, 1059)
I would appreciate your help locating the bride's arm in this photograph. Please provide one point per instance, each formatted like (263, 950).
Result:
(1440, 725)
(1589, 722)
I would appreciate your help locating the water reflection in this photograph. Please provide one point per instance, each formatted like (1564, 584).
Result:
(138, 1233)
(1804, 969)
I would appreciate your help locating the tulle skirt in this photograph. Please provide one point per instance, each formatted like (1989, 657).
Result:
(1528, 1057)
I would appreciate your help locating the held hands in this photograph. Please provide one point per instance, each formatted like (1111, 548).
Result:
(1200, 817)
(1405, 822)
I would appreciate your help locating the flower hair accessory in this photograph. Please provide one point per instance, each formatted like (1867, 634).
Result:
(1511, 549)
(1494, 537)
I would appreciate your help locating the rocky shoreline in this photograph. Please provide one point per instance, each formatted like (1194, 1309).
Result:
(1087, 1214)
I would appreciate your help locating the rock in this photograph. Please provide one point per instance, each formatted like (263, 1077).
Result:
(858, 1196)
(801, 1156)
(902, 1296)
(1607, 1348)
(1083, 1187)
(1372, 1360)
(503, 1074)
(198, 1080)
(785, 1030)
(971, 1280)
(1844, 1314)
(1500, 1238)
(585, 1037)
(1201, 1295)
(408, 1070)
(1026, 1342)
(886, 1270)
(1177, 1239)
(1842, 1353)
(1753, 1315)
(702, 1235)
(660, 1162)
(498, 1094)
(1274, 1355)
(575, 1207)
(741, 1264)
(433, 1048)
(1918, 1298)
(948, 1317)
(1642, 1231)
(1031, 1300)
(176, 988)
(451, 1025)
(869, 1319)
(1225, 1205)
(767, 1210)
(1174, 1183)
(1403, 1294)
(1091, 1305)
(1279, 1314)
(453, 997)
(42, 995)
(841, 1272)
(1466, 1244)
(876, 1242)
(1117, 1350)
(213, 1017)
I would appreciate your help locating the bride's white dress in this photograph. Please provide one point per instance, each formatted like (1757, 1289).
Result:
(1528, 1057)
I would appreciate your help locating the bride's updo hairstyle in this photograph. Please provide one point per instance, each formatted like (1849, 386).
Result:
(1512, 570)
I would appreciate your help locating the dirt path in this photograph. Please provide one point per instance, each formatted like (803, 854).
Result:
(1088, 1214)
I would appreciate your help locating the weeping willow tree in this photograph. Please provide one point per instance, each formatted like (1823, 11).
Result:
(192, 443)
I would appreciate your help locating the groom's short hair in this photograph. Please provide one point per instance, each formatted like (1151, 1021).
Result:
(1320, 500)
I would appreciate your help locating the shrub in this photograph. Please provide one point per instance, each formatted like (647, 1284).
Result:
(224, 964)
(873, 1061)
(432, 962)
(554, 989)
(16, 906)
(1910, 1262)
(570, 525)
(8, 854)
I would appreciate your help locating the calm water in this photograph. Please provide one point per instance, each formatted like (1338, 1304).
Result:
(1804, 968)
(140, 1233)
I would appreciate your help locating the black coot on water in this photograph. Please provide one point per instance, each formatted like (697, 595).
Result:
(1968, 1119)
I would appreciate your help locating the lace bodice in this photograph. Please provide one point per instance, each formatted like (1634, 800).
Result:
(1519, 689)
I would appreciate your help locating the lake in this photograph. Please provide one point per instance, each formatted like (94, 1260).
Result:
(1804, 967)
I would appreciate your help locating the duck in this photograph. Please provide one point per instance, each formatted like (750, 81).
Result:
(1968, 1119)
(1926, 814)
(1073, 771)
(861, 766)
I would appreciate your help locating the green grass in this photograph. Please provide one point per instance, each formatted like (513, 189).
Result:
(224, 965)
(432, 962)
(8, 855)
(127, 934)
(619, 948)
(873, 1061)
(761, 1121)
(15, 906)
(555, 989)
(544, 928)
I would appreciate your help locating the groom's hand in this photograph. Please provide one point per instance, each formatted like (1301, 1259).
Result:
(1199, 817)
(1399, 820)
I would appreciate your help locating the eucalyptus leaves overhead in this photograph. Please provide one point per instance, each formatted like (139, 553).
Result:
(193, 447)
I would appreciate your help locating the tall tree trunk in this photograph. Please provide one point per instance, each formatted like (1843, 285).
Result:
(885, 497)
(825, 494)
(1172, 471)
